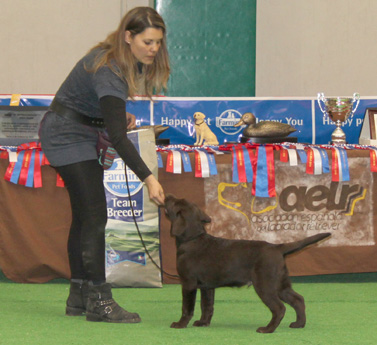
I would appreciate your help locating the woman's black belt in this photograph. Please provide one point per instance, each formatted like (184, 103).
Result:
(71, 114)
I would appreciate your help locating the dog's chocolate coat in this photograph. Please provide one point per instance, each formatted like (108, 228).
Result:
(206, 262)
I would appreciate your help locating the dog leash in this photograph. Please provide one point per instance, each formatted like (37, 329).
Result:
(141, 237)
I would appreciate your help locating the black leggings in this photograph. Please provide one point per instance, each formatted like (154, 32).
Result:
(86, 242)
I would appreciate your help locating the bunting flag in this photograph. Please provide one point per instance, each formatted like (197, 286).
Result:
(310, 162)
(264, 182)
(15, 175)
(250, 163)
(343, 164)
(340, 168)
(292, 157)
(12, 156)
(37, 169)
(30, 171)
(284, 157)
(243, 161)
(159, 160)
(201, 164)
(169, 162)
(325, 160)
(25, 167)
(314, 161)
(335, 165)
(240, 160)
(301, 153)
(211, 163)
(212, 149)
(174, 162)
(177, 159)
(271, 171)
(373, 160)
(9, 171)
(317, 161)
(9, 152)
(186, 162)
(235, 178)
(29, 146)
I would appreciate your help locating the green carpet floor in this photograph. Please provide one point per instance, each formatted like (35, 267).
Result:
(341, 309)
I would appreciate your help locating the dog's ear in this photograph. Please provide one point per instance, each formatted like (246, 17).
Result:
(204, 217)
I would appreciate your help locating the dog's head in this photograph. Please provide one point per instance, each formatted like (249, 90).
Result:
(199, 116)
(187, 219)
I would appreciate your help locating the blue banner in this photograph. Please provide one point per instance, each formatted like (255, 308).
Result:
(220, 116)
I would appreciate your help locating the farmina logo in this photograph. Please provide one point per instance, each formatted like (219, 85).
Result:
(227, 120)
(115, 179)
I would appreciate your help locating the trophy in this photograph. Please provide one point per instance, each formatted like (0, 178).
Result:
(338, 110)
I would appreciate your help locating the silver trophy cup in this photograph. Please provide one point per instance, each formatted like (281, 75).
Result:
(338, 109)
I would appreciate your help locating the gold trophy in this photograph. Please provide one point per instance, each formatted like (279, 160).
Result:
(338, 109)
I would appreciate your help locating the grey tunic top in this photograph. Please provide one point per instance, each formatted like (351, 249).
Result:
(65, 141)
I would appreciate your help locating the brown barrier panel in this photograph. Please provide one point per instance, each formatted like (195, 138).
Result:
(349, 215)
(34, 223)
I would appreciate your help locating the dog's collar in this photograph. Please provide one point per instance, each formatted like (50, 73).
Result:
(198, 124)
(182, 239)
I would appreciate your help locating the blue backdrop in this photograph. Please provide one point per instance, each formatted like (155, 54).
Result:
(222, 113)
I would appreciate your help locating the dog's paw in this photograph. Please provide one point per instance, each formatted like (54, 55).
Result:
(265, 330)
(297, 324)
(200, 323)
(177, 325)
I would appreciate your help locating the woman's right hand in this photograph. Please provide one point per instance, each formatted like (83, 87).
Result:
(156, 193)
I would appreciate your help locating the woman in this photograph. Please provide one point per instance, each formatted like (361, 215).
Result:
(91, 99)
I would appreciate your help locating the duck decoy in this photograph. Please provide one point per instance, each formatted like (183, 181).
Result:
(263, 129)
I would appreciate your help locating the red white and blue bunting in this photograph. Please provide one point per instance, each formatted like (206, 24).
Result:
(251, 163)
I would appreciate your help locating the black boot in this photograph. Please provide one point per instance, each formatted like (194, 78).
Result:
(102, 307)
(77, 299)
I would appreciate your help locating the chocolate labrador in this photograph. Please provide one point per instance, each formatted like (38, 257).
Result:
(206, 262)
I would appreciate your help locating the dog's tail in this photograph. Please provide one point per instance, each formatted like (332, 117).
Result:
(289, 248)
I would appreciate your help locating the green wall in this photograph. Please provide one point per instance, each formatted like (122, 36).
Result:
(211, 46)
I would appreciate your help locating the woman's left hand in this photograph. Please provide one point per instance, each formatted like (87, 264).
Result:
(156, 193)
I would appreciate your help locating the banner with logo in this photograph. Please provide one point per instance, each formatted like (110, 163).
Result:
(127, 261)
(304, 205)
(220, 116)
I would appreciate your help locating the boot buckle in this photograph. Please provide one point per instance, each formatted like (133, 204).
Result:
(108, 309)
